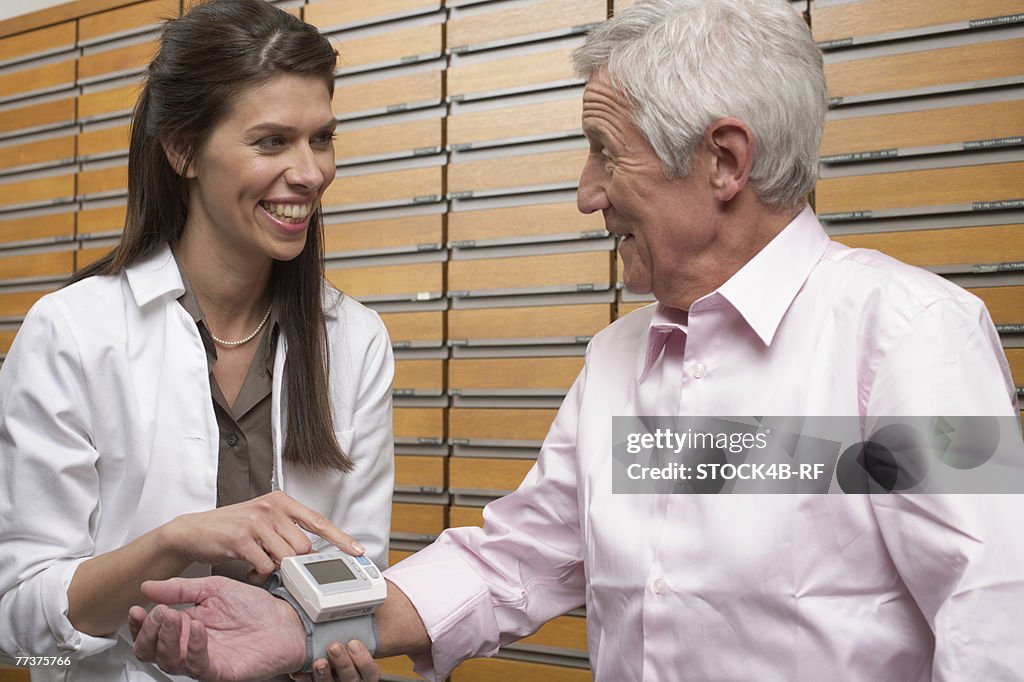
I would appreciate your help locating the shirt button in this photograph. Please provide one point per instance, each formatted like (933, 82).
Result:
(232, 440)
(659, 586)
(698, 370)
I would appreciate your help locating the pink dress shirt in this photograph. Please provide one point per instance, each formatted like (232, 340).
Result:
(772, 588)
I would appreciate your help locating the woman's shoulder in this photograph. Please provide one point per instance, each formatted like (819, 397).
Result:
(89, 299)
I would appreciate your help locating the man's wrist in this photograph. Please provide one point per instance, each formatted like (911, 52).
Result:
(294, 639)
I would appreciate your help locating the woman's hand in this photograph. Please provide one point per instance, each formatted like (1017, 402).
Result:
(261, 531)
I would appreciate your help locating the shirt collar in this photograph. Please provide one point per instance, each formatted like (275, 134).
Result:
(664, 323)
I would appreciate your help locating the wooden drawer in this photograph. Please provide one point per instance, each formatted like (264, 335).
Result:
(518, 72)
(521, 221)
(103, 181)
(46, 227)
(872, 17)
(1005, 304)
(48, 264)
(950, 125)
(113, 101)
(1015, 356)
(548, 375)
(583, 271)
(504, 670)
(567, 633)
(424, 474)
(49, 40)
(49, 189)
(49, 151)
(103, 141)
(400, 186)
(390, 47)
(486, 475)
(465, 516)
(101, 220)
(556, 167)
(561, 321)
(397, 667)
(134, 17)
(386, 233)
(129, 58)
(549, 118)
(48, 77)
(625, 308)
(408, 328)
(950, 246)
(926, 68)
(422, 424)
(90, 254)
(391, 93)
(394, 556)
(330, 13)
(17, 304)
(389, 281)
(6, 340)
(484, 424)
(505, 21)
(393, 138)
(36, 116)
(424, 521)
(921, 188)
(419, 376)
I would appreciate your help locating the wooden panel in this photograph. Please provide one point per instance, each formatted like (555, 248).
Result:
(37, 228)
(388, 139)
(418, 519)
(419, 374)
(504, 670)
(627, 308)
(517, 171)
(50, 150)
(100, 220)
(53, 187)
(489, 474)
(391, 46)
(513, 72)
(103, 141)
(521, 221)
(390, 280)
(965, 63)
(6, 339)
(530, 272)
(398, 666)
(332, 13)
(515, 19)
(951, 246)
(498, 373)
(923, 128)
(564, 632)
(102, 180)
(465, 516)
(1005, 304)
(37, 115)
(872, 17)
(1015, 356)
(387, 92)
(419, 472)
(114, 100)
(45, 77)
(384, 234)
(521, 323)
(935, 187)
(17, 304)
(419, 422)
(558, 116)
(49, 39)
(127, 58)
(50, 264)
(88, 255)
(409, 327)
(389, 186)
(135, 16)
(394, 556)
(467, 423)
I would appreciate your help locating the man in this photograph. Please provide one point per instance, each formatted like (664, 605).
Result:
(704, 119)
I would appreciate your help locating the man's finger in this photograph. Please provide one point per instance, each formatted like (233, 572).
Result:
(145, 639)
(136, 617)
(197, 656)
(169, 652)
(175, 590)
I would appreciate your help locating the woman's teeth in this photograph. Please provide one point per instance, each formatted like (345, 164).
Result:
(292, 213)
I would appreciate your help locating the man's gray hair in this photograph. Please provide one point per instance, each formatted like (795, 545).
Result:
(685, 63)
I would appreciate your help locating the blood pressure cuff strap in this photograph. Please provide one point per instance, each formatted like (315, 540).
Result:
(320, 635)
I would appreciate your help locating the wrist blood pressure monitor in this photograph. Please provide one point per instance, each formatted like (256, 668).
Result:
(333, 585)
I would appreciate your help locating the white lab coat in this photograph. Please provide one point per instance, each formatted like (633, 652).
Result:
(107, 431)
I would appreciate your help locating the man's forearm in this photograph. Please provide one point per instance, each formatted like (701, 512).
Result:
(399, 626)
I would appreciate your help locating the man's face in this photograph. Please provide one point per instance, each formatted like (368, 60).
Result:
(666, 224)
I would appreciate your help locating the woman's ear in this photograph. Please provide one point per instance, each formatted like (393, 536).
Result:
(179, 155)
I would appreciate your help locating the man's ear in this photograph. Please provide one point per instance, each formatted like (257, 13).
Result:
(179, 155)
(731, 146)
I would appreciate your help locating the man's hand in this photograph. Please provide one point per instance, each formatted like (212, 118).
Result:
(233, 632)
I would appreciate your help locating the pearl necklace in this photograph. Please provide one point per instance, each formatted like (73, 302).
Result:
(247, 339)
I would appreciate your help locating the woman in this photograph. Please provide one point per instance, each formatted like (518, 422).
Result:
(148, 410)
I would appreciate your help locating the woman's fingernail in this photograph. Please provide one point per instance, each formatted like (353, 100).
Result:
(320, 670)
(357, 546)
(334, 650)
(355, 646)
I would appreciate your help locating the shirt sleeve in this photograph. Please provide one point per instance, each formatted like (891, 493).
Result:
(50, 488)
(961, 556)
(479, 588)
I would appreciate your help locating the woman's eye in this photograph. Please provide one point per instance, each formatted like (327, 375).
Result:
(324, 139)
(272, 142)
